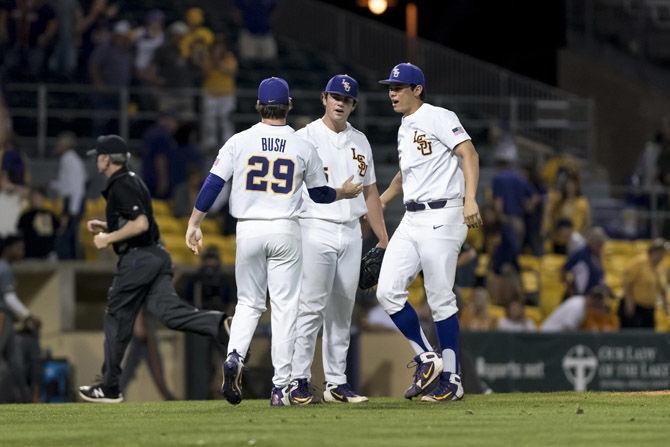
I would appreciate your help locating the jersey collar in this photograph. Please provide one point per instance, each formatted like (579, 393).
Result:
(117, 175)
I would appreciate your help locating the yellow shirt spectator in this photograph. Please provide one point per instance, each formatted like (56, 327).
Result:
(199, 36)
(643, 282)
(220, 74)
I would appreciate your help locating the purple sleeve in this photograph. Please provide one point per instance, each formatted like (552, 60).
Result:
(322, 194)
(209, 192)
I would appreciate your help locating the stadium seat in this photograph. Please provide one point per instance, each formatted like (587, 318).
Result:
(161, 208)
(172, 225)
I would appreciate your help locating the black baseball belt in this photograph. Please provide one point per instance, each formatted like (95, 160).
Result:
(434, 205)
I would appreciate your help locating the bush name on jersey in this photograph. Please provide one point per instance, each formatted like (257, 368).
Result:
(273, 144)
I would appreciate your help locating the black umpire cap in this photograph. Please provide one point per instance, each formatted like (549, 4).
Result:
(109, 144)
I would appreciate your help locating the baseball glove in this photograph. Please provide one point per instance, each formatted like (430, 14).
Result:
(371, 264)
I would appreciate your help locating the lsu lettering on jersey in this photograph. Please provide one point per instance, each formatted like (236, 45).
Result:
(343, 154)
(430, 168)
(269, 165)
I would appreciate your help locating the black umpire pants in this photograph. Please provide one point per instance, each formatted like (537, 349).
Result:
(144, 275)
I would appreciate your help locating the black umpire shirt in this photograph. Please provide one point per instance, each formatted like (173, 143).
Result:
(127, 198)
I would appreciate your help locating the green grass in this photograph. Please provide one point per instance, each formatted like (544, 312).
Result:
(557, 419)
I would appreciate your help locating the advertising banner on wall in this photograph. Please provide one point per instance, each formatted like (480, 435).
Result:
(626, 361)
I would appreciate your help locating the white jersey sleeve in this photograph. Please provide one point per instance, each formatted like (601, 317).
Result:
(448, 128)
(224, 164)
(314, 175)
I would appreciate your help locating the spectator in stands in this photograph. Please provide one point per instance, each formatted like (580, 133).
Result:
(515, 319)
(475, 315)
(646, 173)
(219, 67)
(69, 16)
(198, 37)
(110, 68)
(148, 40)
(186, 193)
(535, 212)
(590, 312)
(30, 29)
(70, 186)
(39, 227)
(5, 122)
(12, 198)
(256, 40)
(159, 155)
(568, 203)
(187, 156)
(512, 193)
(565, 240)
(645, 283)
(502, 276)
(558, 167)
(584, 268)
(171, 70)
(12, 161)
(93, 29)
(12, 309)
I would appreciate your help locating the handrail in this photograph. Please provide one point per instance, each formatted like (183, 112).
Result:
(555, 123)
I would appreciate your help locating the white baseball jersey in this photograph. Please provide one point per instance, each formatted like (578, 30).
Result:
(430, 168)
(268, 165)
(343, 154)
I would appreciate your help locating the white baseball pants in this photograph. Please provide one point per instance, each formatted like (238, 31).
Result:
(332, 261)
(428, 240)
(269, 257)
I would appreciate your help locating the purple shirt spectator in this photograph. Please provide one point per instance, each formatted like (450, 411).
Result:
(256, 15)
(587, 269)
(514, 190)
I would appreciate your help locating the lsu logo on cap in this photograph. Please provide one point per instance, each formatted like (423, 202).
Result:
(396, 72)
(346, 85)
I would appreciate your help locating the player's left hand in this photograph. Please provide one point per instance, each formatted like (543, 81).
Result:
(194, 238)
(101, 240)
(471, 214)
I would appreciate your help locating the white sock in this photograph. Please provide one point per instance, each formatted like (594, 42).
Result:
(449, 361)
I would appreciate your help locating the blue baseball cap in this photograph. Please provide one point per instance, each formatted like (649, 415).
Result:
(344, 85)
(405, 74)
(273, 91)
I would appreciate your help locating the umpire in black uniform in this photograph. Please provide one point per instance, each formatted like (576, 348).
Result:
(144, 269)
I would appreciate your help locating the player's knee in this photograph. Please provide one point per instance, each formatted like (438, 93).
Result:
(444, 311)
(389, 299)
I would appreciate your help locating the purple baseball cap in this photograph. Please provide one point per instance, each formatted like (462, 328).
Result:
(344, 85)
(273, 91)
(405, 74)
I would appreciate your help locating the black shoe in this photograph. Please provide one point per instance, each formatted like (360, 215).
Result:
(232, 378)
(100, 394)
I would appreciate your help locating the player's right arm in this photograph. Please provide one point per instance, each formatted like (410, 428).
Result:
(394, 189)
(210, 190)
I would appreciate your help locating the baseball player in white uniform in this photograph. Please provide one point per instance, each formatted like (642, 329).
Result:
(332, 244)
(439, 171)
(268, 164)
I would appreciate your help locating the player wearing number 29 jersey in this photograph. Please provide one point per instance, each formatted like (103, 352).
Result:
(268, 165)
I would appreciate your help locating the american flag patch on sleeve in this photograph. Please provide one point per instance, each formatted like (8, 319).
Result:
(458, 130)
